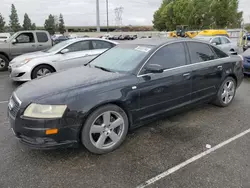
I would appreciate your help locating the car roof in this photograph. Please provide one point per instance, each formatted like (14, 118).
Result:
(159, 41)
(82, 39)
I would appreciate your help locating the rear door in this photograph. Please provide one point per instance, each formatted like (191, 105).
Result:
(79, 53)
(207, 70)
(226, 44)
(162, 92)
(43, 41)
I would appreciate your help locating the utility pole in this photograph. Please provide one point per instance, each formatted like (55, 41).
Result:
(97, 16)
(107, 6)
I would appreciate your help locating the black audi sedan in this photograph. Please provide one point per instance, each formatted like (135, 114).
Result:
(125, 87)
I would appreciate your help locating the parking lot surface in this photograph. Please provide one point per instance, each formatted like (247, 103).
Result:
(147, 152)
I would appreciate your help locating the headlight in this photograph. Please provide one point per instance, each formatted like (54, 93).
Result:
(44, 111)
(23, 62)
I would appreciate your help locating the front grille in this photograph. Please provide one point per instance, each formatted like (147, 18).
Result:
(247, 59)
(247, 70)
(14, 106)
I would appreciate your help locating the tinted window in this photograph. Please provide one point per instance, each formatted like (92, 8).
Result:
(219, 53)
(216, 40)
(170, 56)
(224, 40)
(101, 44)
(200, 52)
(79, 46)
(42, 37)
(25, 38)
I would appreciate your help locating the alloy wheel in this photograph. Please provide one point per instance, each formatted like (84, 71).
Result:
(107, 130)
(42, 72)
(2, 63)
(228, 92)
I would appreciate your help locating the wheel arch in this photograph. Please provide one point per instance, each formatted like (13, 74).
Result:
(4, 54)
(40, 65)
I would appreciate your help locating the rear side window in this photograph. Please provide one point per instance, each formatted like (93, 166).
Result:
(170, 56)
(219, 53)
(224, 40)
(200, 52)
(101, 44)
(42, 37)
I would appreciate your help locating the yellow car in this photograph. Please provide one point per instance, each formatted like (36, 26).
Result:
(212, 32)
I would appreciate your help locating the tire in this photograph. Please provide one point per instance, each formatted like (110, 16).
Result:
(4, 63)
(98, 139)
(226, 93)
(46, 69)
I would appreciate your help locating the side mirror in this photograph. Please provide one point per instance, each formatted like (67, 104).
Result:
(14, 41)
(214, 43)
(233, 53)
(154, 68)
(64, 51)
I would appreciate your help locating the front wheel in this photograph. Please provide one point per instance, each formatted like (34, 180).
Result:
(4, 63)
(41, 70)
(226, 92)
(105, 129)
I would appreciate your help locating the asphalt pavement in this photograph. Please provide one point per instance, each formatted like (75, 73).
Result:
(147, 152)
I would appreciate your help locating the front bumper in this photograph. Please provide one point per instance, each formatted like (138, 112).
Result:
(32, 132)
(22, 73)
(246, 66)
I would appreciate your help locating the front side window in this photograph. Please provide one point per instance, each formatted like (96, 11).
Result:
(216, 41)
(170, 56)
(200, 52)
(101, 44)
(25, 38)
(79, 46)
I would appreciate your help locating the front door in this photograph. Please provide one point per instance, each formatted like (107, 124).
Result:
(79, 54)
(25, 43)
(207, 70)
(162, 92)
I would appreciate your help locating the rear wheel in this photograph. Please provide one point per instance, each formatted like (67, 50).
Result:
(4, 63)
(226, 92)
(105, 129)
(41, 70)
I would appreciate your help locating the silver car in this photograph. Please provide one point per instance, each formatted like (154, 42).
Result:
(221, 41)
(67, 54)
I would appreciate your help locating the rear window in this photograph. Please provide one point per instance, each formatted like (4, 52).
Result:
(42, 37)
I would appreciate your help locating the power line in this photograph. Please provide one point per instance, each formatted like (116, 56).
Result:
(118, 15)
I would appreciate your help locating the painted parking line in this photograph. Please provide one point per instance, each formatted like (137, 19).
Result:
(3, 102)
(191, 160)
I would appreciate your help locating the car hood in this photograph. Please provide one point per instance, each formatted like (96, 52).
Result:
(246, 53)
(64, 81)
(32, 55)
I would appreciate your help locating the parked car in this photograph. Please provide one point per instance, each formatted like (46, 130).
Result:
(67, 54)
(60, 39)
(23, 42)
(116, 37)
(130, 84)
(4, 36)
(246, 61)
(223, 42)
(246, 39)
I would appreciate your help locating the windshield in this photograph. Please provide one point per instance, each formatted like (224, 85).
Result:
(58, 46)
(122, 58)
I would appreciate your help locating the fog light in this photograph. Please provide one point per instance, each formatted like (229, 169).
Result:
(51, 131)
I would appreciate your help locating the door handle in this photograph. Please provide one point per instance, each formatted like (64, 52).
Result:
(33, 45)
(40, 45)
(219, 67)
(187, 75)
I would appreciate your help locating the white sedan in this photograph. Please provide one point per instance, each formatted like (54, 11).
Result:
(223, 42)
(65, 55)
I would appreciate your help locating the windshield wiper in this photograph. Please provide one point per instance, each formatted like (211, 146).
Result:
(104, 69)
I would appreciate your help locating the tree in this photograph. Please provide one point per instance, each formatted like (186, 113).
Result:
(26, 22)
(14, 21)
(50, 25)
(61, 26)
(2, 23)
(33, 26)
